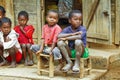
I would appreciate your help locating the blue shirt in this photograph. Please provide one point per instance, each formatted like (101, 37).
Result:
(71, 43)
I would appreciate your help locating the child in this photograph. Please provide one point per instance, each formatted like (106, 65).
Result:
(2, 12)
(25, 36)
(9, 45)
(50, 32)
(76, 36)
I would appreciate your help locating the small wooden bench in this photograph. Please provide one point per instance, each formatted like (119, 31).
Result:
(41, 67)
(50, 71)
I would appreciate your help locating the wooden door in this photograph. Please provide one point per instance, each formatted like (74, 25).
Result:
(97, 18)
(117, 22)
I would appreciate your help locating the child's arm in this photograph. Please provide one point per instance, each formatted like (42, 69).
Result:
(30, 31)
(52, 47)
(41, 47)
(10, 42)
(64, 35)
(21, 28)
(70, 36)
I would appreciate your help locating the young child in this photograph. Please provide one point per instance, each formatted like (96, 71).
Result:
(50, 32)
(25, 36)
(9, 45)
(76, 36)
(2, 12)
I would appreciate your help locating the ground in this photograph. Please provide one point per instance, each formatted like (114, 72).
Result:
(113, 73)
(29, 73)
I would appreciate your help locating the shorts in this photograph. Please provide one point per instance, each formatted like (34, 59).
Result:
(18, 57)
(55, 51)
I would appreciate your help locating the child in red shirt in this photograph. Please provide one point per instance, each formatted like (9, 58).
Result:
(25, 35)
(50, 32)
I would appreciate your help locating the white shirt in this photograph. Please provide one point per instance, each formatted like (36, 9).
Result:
(13, 42)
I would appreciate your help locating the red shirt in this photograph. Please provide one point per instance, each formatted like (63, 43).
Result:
(25, 38)
(49, 34)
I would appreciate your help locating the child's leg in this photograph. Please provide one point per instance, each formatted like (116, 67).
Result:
(1, 55)
(30, 55)
(35, 48)
(62, 46)
(24, 53)
(79, 50)
(58, 56)
(12, 52)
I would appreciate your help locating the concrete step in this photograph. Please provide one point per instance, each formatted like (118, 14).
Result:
(102, 58)
(22, 72)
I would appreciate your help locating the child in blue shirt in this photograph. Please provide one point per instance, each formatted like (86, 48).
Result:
(75, 34)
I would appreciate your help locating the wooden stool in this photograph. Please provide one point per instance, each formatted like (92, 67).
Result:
(41, 67)
(83, 68)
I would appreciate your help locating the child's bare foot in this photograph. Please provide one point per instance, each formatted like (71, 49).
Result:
(67, 67)
(26, 62)
(13, 65)
(3, 63)
(30, 63)
(76, 68)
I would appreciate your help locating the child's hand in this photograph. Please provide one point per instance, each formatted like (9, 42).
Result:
(62, 39)
(38, 52)
(8, 39)
(21, 28)
(50, 53)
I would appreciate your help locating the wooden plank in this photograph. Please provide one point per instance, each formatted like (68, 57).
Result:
(2, 3)
(107, 19)
(39, 24)
(98, 36)
(117, 15)
(100, 26)
(10, 10)
(92, 12)
(8, 5)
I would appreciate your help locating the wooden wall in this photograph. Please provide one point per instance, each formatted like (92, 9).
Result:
(104, 26)
(8, 5)
(33, 8)
(117, 22)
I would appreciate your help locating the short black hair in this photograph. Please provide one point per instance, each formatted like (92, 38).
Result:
(72, 12)
(55, 11)
(3, 10)
(5, 20)
(23, 13)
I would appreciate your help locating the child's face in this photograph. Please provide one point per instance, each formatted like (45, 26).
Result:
(22, 20)
(6, 28)
(1, 14)
(52, 18)
(76, 20)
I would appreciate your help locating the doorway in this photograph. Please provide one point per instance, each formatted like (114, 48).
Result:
(54, 5)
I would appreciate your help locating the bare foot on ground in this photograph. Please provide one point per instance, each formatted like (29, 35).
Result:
(13, 65)
(3, 63)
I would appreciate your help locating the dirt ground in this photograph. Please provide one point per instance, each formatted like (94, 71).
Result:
(113, 73)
